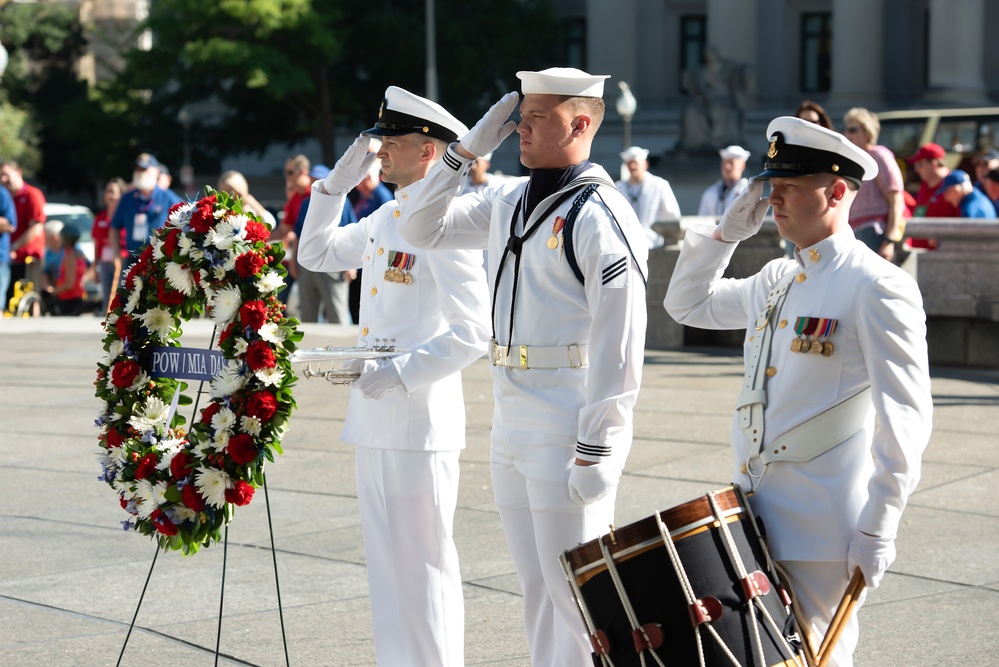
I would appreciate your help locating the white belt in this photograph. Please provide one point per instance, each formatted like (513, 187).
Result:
(535, 356)
(816, 436)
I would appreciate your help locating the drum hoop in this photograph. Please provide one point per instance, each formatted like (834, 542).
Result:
(583, 575)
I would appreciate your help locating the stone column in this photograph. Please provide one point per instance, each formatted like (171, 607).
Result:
(957, 52)
(612, 43)
(857, 64)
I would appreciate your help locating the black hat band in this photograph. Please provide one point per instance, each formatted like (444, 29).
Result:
(403, 123)
(808, 160)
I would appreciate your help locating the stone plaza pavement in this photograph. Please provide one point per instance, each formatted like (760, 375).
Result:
(70, 579)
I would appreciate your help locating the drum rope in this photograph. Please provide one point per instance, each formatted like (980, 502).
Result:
(577, 596)
(688, 592)
(629, 610)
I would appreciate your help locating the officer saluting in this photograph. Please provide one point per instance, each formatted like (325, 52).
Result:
(835, 338)
(405, 414)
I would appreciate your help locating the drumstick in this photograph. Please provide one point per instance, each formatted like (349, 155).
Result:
(843, 612)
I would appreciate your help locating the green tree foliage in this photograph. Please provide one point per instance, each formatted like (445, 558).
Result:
(253, 72)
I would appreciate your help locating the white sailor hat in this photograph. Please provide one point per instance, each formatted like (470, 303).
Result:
(634, 153)
(734, 153)
(562, 81)
(402, 112)
(799, 148)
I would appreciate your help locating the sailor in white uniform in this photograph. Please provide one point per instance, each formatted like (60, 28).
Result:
(651, 196)
(568, 347)
(720, 195)
(405, 414)
(836, 409)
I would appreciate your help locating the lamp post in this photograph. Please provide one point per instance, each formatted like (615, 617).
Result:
(186, 170)
(626, 105)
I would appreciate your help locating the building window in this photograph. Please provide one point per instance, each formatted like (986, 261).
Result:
(816, 52)
(575, 43)
(693, 41)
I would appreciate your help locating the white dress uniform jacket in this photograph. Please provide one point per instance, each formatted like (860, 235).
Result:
(593, 403)
(812, 509)
(440, 317)
(714, 202)
(654, 202)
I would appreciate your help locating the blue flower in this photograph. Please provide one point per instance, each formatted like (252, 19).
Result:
(127, 525)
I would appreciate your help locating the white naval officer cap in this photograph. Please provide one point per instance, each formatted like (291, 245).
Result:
(734, 153)
(402, 112)
(634, 153)
(562, 81)
(799, 147)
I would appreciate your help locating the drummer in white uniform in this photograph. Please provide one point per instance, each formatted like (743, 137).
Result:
(568, 347)
(405, 414)
(651, 196)
(834, 332)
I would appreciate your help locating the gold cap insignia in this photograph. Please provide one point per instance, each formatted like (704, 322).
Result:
(772, 153)
(425, 129)
(381, 109)
(835, 168)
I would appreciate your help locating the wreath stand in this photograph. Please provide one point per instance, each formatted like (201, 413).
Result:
(225, 548)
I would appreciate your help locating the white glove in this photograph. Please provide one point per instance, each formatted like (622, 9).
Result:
(350, 169)
(872, 555)
(378, 377)
(745, 216)
(492, 128)
(588, 484)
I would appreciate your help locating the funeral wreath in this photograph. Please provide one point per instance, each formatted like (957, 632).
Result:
(181, 483)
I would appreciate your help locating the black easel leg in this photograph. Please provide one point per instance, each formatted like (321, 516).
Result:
(277, 582)
(225, 554)
(138, 606)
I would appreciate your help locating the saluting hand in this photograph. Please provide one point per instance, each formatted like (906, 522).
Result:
(350, 169)
(492, 128)
(745, 216)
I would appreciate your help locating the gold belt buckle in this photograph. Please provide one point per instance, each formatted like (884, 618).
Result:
(498, 351)
(523, 356)
(573, 363)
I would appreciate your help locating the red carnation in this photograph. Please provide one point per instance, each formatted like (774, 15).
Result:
(123, 327)
(204, 215)
(116, 302)
(259, 355)
(242, 449)
(146, 467)
(175, 207)
(248, 264)
(261, 405)
(167, 296)
(228, 331)
(253, 314)
(189, 494)
(209, 412)
(163, 523)
(181, 464)
(114, 438)
(241, 494)
(146, 258)
(123, 373)
(130, 277)
(256, 231)
(170, 242)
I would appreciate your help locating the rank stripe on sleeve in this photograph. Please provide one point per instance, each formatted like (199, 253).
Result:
(593, 450)
(615, 269)
(451, 160)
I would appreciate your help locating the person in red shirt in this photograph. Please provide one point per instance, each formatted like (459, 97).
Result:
(103, 252)
(28, 240)
(297, 184)
(68, 289)
(929, 164)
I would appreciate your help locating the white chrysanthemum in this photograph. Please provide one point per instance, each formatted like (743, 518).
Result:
(159, 321)
(151, 416)
(272, 333)
(203, 446)
(238, 224)
(184, 245)
(230, 263)
(115, 350)
(134, 295)
(270, 376)
(239, 347)
(223, 420)
(250, 425)
(180, 278)
(219, 272)
(269, 282)
(157, 245)
(219, 213)
(145, 494)
(226, 304)
(228, 380)
(222, 236)
(159, 493)
(111, 318)
(119, 455)
(212, 484)
(140, 380)
(181, 216)
(168, 449)
(221, 440)
(198, 255)
(106, 459)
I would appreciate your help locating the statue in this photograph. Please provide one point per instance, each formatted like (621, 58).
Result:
(713, 115)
